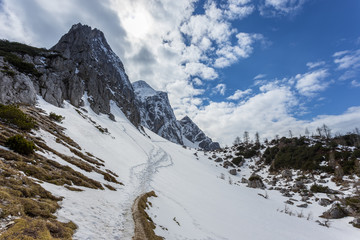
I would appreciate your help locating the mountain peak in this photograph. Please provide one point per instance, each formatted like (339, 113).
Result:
(144, 90)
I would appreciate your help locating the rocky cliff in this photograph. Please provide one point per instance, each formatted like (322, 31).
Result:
(156, 113)
(81, 62)
(195, 135)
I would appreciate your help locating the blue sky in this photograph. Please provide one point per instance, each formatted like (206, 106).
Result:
(312, 34)
(266, 66)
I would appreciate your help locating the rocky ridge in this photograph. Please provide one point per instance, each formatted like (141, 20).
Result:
(81, 63)
(157, 115)
(195, 135)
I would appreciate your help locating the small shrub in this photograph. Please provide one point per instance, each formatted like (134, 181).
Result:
(20, 145)
(319, 188)
(13, 115)
(55, 117)
(254, 178)
(8, 72)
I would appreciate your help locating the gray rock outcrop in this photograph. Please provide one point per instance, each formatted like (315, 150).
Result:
(194, 134)
(156, 112)
(81, 64)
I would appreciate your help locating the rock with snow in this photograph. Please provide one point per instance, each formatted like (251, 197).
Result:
(255, 181)
(286, 174)
(80, 64)
(156, 112)
(335, 212)
(194, 134)
(233, 171)
(96, 70)
(324, 202)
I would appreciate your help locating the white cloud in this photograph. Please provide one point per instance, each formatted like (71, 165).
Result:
(310, 83)
(280, 7)
(220, 88)
(269, 113)
(347, 59)
(312, 65)
(259, 76)
(355, 83)
(239, 94)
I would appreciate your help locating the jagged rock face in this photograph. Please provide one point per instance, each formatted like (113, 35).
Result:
(81, 62)
(16, 89)
(92, 67)
(194, 134)
(156, 113)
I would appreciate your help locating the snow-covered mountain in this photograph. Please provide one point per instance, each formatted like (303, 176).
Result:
(195, 135)
(157, 115)
(92, 171)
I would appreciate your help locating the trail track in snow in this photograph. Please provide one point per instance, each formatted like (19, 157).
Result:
(140, 178)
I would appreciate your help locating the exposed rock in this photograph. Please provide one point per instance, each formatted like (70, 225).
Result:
(324, 202)
(233, 171)
(156, 112)
(227, 164)
(335, 212)
(255, 181)
(299, 185)
(286, 174)
(194, 134)
(80, 64)
(304, 205)
(219, 159)
(356, 222)
(289, 202)
(244, 180)
(16, 89)
(88, 64)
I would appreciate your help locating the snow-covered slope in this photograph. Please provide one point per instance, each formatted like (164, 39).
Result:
(197, 199)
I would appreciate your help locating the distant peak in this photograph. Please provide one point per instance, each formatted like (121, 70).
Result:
(186, 119)
(141, 84)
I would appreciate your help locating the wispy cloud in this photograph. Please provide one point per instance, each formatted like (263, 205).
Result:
(309, 84)
(239, 94)
(347, 59)
(280, 7)
(220, 88)
(259, 76)
(312, 65)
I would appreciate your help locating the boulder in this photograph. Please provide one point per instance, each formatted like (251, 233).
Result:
(335, 212)
(286, 174)
(255, 181)
(219, 159)
(233, 171)
(324, 202)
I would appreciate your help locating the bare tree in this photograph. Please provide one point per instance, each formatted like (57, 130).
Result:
(257, 138)
(307, 133)
(290, 134)
(237, 140)
(319, 131)
(246, 137)
(327, 131)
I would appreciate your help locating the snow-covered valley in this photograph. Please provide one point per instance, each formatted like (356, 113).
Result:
(197, 198)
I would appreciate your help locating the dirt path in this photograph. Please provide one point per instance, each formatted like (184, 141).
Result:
(140, 178)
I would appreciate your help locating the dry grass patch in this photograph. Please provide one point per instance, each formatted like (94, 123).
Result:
(144, 226)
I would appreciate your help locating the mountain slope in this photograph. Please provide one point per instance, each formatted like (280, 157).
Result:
(156, 113)
(82, 61)
(203, 205)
